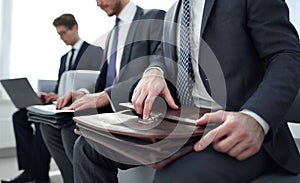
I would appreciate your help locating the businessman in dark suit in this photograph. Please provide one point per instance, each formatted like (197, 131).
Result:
(244, 61)
(33, 155)
(85, 57)
(258, 53)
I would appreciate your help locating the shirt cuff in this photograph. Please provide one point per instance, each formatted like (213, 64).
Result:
(84, 90)
(260, 120)
(158, 68)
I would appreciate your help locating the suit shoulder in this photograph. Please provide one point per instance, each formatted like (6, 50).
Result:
(91, 46)
(154, 14)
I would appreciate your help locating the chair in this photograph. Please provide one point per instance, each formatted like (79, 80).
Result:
(145, 174)
(46, 86)
(75, 79)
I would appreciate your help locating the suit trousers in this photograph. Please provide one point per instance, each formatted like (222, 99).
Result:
(32, 153)
(60, 143)
(207, 166)
(90, 166)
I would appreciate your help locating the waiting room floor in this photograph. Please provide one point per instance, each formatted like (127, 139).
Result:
(9, 169)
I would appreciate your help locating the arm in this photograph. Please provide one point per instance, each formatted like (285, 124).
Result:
(276, 42)
(95, 100)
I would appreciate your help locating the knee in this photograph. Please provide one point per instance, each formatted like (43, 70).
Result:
(43, 130)
(20, 118)
(78, 148)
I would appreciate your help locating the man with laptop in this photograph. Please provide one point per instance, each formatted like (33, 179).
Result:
(32, 153)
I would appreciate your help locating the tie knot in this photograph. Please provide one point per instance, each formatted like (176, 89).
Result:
(117, 21)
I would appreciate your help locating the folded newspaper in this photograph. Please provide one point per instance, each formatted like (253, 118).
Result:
(48, 114)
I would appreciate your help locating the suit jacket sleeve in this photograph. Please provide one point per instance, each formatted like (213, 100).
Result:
(277, 43)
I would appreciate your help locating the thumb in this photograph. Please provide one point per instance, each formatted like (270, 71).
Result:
(169, 99)
(211, 117)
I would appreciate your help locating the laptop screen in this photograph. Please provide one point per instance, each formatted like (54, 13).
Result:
(20, 92)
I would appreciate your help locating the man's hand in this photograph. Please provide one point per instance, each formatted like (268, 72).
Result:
(88, 101)
(240, 136)
(66, 99)
(48, 98)
(149, 87)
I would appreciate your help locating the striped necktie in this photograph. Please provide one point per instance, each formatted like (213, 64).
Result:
(185, 76)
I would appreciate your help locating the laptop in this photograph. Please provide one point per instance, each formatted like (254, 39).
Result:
(20, 92)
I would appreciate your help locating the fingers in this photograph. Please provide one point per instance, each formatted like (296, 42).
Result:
(246, 154)
(77, 105)
(89, 101)
(216, 117)
(148, 105)
(138, 99)
(48, 98)
(63, 101)
(238, 149)
(169, 99)
(42, 97)
(237, 136)
(206, 140)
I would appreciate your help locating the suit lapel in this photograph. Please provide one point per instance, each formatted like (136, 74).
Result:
(206, 13)
(80, 52)
(130, 37)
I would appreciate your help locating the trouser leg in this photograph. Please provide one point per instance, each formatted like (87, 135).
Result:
(32, 153)
(209, 166)
(53, 139)
(92, 167)
(41, 156)
(24, 139)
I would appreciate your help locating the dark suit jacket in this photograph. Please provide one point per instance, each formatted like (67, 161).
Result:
(142, 40)
(89, 57)
(251, 57)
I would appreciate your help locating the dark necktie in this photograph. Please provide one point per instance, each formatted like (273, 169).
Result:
(111, 69)
(71, 59)
(185, 77)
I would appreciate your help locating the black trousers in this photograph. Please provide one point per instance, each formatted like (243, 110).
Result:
(60, 143)
(207, 166)
(32, 152)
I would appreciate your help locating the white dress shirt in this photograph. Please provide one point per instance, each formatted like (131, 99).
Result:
(199, 93)
(126, 17)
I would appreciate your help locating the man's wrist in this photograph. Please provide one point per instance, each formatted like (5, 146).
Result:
(265, 126)
(154, 71)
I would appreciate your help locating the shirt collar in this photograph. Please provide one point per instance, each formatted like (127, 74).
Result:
(78, 45)
(127, 13)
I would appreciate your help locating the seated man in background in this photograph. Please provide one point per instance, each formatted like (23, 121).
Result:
(32, 153)
(82, 56)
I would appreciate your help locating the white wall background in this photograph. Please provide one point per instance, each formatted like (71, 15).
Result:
(32, 48)
(36, 48)
(294, 6)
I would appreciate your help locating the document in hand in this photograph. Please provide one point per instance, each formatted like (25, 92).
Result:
(48, 114)
(155, 142)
